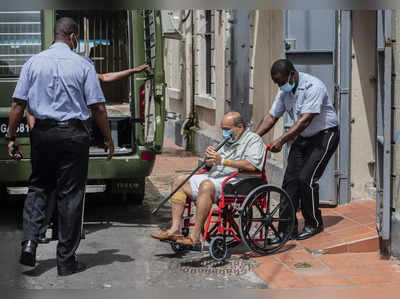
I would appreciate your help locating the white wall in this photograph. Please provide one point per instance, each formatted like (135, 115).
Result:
(363, 100)
(267, 47)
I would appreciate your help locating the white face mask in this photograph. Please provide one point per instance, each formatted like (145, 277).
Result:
(287, 87)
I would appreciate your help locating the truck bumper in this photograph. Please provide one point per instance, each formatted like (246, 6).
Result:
(119, 167)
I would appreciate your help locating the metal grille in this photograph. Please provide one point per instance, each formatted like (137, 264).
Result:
(150, 55)
(149, 37)
(204, 265)
(20, 38)
(103, 37)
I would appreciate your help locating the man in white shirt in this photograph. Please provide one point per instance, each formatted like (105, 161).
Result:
(316, 136)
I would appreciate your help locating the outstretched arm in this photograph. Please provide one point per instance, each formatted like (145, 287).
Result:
(115, 76)
(294, 131)
(266, 124)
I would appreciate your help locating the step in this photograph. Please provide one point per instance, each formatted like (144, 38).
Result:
(370, 244)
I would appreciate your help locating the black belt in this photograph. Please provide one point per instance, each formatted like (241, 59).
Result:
(328, 130)
(331, 129)
(55, 123)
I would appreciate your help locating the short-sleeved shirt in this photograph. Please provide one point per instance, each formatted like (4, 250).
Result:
(311, 96)
(59, 84)
(248, 147)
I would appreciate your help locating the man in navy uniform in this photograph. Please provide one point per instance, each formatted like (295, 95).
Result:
(57, 85)
(315, 136)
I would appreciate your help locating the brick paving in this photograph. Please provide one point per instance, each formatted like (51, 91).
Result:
(359, 266)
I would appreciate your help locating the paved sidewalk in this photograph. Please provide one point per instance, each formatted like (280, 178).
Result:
(298, 266)
(349, 238)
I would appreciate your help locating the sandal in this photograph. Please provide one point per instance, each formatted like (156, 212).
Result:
(188, 241)
(163, 235)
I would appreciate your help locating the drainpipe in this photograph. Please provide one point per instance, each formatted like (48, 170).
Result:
(191, 125)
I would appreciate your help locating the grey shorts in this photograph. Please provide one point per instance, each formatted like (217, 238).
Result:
(197, 179)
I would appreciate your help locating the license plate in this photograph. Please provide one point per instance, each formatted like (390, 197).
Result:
(22, 129)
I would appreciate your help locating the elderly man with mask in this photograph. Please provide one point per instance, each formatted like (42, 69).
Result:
(245, 151)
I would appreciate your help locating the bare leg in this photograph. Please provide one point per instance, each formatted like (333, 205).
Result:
(204, 203)
(177, 208)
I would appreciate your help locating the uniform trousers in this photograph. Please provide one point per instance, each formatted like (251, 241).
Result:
(59, 158)
(307, 161)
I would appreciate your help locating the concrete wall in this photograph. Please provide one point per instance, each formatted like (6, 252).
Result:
(395, 230)
(267, 36)
(363, 97)
(396, 113)
(178, 68)
(267, 47)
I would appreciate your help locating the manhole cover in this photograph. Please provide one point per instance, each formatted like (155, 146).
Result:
(234, 266)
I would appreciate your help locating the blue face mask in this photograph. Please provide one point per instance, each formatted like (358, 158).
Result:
(226, 133)
(287, 87)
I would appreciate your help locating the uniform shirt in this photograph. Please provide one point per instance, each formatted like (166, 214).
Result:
(311, 96)
(249, 147)
(59, 84)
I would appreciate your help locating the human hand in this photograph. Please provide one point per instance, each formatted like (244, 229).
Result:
(276, 146)
(14, 150)
(109, 145)
(140, 68)
(209, 162)
(211, 154)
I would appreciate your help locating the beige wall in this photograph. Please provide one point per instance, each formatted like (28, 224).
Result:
(267, 37)
(363, 100)
(176, 70)
(178, 66)
(268, 40)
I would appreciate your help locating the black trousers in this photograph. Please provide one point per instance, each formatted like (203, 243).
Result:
(307, 161)
(59, 157)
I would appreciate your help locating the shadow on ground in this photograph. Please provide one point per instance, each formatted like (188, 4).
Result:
(101, 258)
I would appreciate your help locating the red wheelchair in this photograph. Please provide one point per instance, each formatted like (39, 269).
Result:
(249, 211)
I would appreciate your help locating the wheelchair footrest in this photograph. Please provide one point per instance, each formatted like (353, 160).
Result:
(187, 247)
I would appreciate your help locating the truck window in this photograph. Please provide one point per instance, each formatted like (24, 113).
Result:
(103, 38)
(20, 38)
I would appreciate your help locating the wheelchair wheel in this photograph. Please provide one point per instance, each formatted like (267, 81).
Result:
(266, 209)
(218, 248)
(229, 239)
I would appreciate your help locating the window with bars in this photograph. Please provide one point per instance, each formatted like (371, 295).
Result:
(20, 38)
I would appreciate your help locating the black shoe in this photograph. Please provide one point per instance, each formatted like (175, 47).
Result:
(28, 253)
(309, 231)
(75, 268)
(278, 239)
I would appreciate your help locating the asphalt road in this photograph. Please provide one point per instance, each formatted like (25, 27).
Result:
(120, 253)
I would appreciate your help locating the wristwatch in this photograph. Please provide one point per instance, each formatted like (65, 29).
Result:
(10, 138)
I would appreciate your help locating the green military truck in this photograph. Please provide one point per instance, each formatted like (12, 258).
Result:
(114, 41)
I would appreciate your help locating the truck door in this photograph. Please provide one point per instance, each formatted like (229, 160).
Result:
(148, 96)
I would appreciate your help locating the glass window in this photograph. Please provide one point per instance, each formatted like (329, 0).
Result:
(20, 38)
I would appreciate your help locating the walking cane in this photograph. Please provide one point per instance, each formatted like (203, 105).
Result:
(203, 162)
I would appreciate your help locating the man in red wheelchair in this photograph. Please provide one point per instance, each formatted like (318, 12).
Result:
(245, 151)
